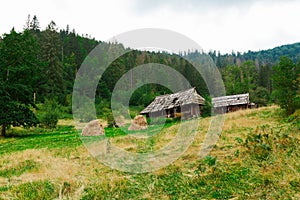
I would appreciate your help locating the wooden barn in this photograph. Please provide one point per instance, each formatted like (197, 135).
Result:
(230, 103)
(186, 104)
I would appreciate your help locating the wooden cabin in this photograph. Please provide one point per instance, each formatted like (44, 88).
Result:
(186, 104)
(230, 103)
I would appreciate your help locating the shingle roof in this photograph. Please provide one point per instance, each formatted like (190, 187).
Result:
(169, 101)
(231, 100)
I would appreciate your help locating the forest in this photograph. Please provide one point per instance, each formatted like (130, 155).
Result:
(38, 68)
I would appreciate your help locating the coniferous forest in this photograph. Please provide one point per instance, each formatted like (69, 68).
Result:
(38, 67)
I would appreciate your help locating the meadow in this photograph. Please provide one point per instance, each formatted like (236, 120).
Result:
(256, 157)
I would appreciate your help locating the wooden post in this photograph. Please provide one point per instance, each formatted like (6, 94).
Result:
(34, 98)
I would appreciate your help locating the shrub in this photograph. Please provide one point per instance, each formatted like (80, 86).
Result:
(295, 119)
(51, 113)
(259, 145)
(206, 111)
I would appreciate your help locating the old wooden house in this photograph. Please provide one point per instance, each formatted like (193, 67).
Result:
(230, 103)
(186, 104)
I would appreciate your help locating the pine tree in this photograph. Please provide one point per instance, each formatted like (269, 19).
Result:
(19, 60)
(51, 55)
(27, 24)
(285, 85)
(35, 24)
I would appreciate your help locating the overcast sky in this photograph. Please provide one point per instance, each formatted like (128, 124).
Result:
(223, 25)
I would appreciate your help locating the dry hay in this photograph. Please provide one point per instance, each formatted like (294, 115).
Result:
(93, 128)
(120, 121)
(139, 123)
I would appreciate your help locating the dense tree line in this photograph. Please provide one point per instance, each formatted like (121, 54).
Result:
(38, 65)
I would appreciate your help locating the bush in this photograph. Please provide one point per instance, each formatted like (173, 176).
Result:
(260, 96)
(51, 113)
(83, 109)
(110, 120)
(206, 111)
(295, 119)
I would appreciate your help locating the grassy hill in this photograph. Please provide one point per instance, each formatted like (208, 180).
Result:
(256, 157)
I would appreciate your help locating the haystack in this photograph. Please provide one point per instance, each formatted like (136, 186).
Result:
(139, 123)
(93, 128)
(120, 121)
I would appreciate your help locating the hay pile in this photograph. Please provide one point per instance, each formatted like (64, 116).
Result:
(139, 123)
(93, 128)
(120, 121)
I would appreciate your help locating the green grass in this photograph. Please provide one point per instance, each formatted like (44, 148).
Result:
(257, 157)
(40, 138)
(150, 131)
(61, 137)
(22, 167)
(35, 190)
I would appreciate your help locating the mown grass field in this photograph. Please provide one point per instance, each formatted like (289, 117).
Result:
(257, 157)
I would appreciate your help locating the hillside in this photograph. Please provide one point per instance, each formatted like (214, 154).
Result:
(273, 55)
(261, 57)
(256, 157)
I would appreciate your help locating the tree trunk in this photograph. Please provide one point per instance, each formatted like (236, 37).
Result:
(3, 130)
